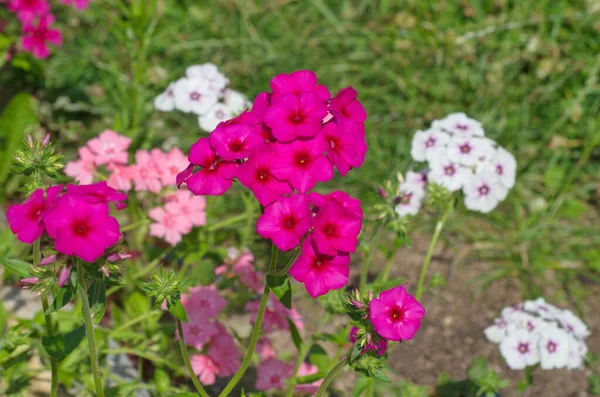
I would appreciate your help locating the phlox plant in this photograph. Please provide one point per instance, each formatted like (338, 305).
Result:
(292, 139)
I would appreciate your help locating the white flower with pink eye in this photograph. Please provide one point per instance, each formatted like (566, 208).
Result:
(165, 102)
(542, 308)
(497, 332)
(483, 192)
(554, 348)
(416, 178)
(83, 169)
(194, 95)
(520, 349)
(217, 114)
(459, 124)
(469, 151)
(216, 80)
(573, 324)
(503, 163)
(408, 201)
(425, 142)
(446, 172)
(577, 352)
(235, 101)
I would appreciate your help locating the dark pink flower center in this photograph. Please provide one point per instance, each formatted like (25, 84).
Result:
(35, 211)
(406, 198)
(220, 114)
(289, 222)
(170, 93)
(275, 379)
(302, 159)
(465, 148)
(523, 348)
(462, 127)
(396, 314)
(329, 230)
(551, 346)
(204, 304)
(81, 227)
(449, 170)
(296, 117)
(484, 190)
(430, 142)
(499, 169)
(236, 145)
(195, 96)
(263, 175)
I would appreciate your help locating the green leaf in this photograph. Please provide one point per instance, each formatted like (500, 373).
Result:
(15, 121)
(3, 319)
(380, 376)
(281, 287)
(355, 352)
(178, 311)
(63, 297)
(16, 266)
(97, 299)
(318, 357)
(478, 370)
(61, 345)
(184, 394)
(302, 380)
(295, 334)
(361, 385)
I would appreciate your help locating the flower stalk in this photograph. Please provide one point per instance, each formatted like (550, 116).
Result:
(89, 331)
(436, 235)
(186, 360)
(333, 373)
(48, 321)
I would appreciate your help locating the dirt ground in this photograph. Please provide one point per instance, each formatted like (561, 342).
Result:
(452, 332)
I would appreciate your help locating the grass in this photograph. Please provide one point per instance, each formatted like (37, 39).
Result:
(527, 70)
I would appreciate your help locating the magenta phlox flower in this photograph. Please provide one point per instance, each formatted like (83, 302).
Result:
(320, 273)
(99, 192)
(294, 116)
(256, 174)
(379, 347)
(25, 220)
(35, 38)
(285, 221)
(234, 141)
(214, 177)
(81, 228)
(348, 202)
(396, 315)
(336, 229)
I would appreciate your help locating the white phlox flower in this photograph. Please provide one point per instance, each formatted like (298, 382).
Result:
(520, 349)
(483, 192)
(208, 71)
(192, 95)
(459, 124)
(165, 102)
(409, 199)
(446, 172)
(217, 114)
(425, 142)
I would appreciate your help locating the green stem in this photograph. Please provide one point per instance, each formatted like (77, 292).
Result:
(37, 257)
(436, 235)
(286, 268)
(274, 257)
(253, 340)
(301, 356)
(331, 376)
(228, 222)
(364, 271)
(188, 364)
(89, 331)
(388, 267)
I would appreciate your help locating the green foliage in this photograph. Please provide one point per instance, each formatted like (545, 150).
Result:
(481, 382)
(19, 267)
(16, 120)
(282, 289)
(61, 345)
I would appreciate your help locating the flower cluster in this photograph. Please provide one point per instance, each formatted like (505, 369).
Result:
(536, 332)
(78, 220)
(203, 91)
(292, 138)
(219, 355)
(152, 171)
(458, 157)
(36, 24)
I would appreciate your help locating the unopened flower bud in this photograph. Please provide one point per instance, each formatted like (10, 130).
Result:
(47, 260)
(115, 257)
(105, 271)
(357, 304)
(64, 275)
(381, 192)
(30, 281)
(46, 139)
(30, 140)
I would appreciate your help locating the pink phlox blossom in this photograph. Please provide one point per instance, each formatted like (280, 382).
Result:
(110, 147)
(273, 374)
(294, 116)
(344, 148)
(380, 347)
(146, 175)
(205, 368)
(276, 315)
(346, 105)
(83, 169)
(308, 388)
(170, 224)
(120, 177)
(296, 83)
(190, 206)
(205, 301)
(264, 349)
(27, 10)
(234, 141)
(349, 203)
(173, 162)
